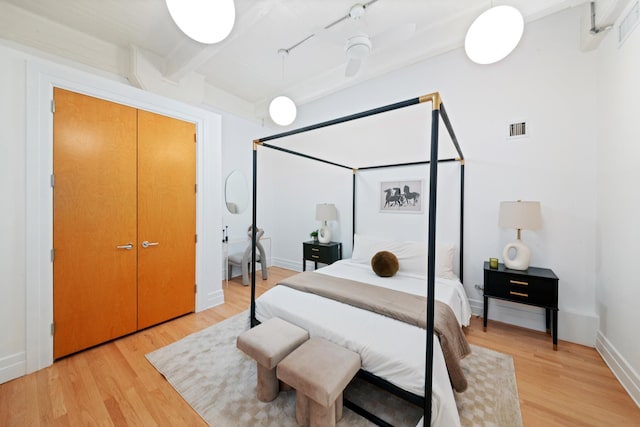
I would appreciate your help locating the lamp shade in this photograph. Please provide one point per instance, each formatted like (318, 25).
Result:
(494, 34)
(205, 21)
(520, 215)
(282, 110)
(326, 212)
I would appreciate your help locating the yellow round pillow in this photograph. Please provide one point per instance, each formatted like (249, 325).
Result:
(385, 264)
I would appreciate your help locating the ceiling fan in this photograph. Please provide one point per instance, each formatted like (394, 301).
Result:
(357, 43)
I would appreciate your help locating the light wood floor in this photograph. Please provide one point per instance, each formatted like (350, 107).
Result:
(113, 384)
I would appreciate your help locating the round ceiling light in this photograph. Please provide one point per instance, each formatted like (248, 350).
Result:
(205, 21)
(494, 34)
(282, 110)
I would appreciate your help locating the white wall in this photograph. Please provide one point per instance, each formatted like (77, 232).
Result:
(289, 188)
(12, 216)
(549, 83)
(618, 234)
(26, 303)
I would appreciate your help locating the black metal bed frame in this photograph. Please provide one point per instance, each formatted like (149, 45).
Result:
(438, 112)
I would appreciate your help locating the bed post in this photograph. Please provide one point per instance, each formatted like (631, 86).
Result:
(454, 140)
(461, 219)
(431, 257)
(253, 319)
(353, 207)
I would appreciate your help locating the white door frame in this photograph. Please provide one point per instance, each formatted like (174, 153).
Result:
(41, 78)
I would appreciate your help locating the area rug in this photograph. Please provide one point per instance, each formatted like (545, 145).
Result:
(218, 381)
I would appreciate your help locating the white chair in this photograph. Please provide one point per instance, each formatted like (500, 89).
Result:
(243, 259)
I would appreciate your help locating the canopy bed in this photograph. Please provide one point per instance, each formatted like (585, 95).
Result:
(401, 113)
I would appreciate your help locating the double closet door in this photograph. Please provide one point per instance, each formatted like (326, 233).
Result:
(124, 222)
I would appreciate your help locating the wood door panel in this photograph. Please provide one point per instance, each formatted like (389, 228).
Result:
(166, 215)
(94, 210)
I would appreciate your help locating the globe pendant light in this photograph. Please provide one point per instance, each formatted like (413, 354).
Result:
(494, 34)
(205, 21)
(282, 110)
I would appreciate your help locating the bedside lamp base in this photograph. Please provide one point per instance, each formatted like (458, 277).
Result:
(324, 234)
(522, 256)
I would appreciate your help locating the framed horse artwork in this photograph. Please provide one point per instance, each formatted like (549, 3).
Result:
(401, 196)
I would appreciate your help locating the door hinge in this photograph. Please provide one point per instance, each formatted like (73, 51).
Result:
(53, 254)
(195, 187)
(53, 180)
(195, 137)
(53, 105)
(196, 238)
(196, 288)
(53, 328)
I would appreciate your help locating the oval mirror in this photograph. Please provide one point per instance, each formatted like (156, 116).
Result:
(236, 194)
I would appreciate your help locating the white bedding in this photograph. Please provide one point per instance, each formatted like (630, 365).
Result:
(390, 349)
(449, 291)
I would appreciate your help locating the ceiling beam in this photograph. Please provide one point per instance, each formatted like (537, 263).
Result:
(189, 55)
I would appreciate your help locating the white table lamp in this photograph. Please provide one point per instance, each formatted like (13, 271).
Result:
(325, 212)
(521, 216)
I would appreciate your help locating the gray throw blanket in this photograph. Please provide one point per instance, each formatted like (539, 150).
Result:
(398, 305)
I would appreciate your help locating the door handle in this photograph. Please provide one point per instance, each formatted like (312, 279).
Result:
(146, 244)
(128, 246)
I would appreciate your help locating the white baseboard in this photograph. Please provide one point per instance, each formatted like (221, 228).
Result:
(294, 265)
(12, 367)
(579, 328)
(286, 263)
(627, 376)
(213, 299)
(476, 307)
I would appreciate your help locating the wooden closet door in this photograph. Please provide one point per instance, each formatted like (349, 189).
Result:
(166, 218)
(94, 212)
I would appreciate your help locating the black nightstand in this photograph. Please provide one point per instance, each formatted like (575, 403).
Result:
(535, 286)
(326, 253)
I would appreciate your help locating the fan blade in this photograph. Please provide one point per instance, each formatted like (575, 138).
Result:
(393, 35)
(353, 66)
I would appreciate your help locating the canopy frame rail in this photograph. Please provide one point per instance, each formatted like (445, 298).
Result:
(438, 113)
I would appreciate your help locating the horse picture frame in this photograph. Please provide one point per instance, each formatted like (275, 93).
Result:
(403, 196)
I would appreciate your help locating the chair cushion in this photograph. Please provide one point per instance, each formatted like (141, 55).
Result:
(237, 258)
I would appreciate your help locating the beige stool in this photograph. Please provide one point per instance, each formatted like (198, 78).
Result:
(319, 370)
(268, 343)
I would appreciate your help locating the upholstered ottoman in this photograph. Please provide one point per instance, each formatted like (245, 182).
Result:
(319, 370)
(268, 343)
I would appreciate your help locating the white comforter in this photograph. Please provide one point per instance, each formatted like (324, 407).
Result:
(390, 349)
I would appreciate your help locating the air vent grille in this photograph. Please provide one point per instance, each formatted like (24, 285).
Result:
(629, 23)
(518, 129)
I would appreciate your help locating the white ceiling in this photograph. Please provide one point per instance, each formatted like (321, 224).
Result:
(247, 65)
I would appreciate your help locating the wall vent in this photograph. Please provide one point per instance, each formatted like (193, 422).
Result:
(629, 23)
(518, 129)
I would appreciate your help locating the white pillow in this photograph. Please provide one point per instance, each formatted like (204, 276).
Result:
(412, 256)
(444, 260)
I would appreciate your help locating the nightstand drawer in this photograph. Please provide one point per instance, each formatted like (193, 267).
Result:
(323, 254)
(529, 290)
